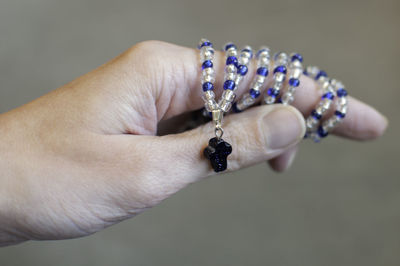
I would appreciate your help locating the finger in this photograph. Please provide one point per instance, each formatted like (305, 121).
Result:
(257, 135)
(283, 162)
(362, 121)
(180, 79)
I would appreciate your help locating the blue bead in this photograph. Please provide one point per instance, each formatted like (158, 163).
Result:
(229, 45)
(321, 132)
(207, 64)
(242, 70)
(206, 44)
(208, 86)
(232, 60)
(254, 93)
(305, 72)
(297, 57)
(260, 51)
(281, 69)
(316, 115)
(321, 73)
(229, 85)
(235, 108)
(340, 114)
(341, 92)
(328, 95)
(279, 100)
(273, 92)
(294, 82)
(263, 71)
(249, 51)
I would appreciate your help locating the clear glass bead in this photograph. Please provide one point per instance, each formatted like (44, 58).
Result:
(208, 78)
(211, 105)
(208, 95)
(312, 71)
(279, 77)
(269, 100)
(296, 72)
(260, 79)
(230, 69)
(230, 76)
(232, 52)
(326, 103)
(287, 98)
(342, 101)
(248, 100)
(208, 71)
(228, 95)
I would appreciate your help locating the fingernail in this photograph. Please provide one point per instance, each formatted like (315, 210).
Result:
(283, 127)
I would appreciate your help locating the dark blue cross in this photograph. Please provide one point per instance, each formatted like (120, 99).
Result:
(217, 152)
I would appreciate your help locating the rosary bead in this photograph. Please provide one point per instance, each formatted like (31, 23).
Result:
(207, 64)
(242, 70)
(297, 57)
(341, 92)
(208, 86)
(294, 82)
(321, 73)
(232, 60)
(254, 93)
(281, 69)
(229, 85)
(263, 71)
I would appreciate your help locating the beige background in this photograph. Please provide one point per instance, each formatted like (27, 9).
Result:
(338, 205)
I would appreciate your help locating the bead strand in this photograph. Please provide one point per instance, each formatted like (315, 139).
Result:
(263, 63)
(281, 61)
(328, 95)
(295, 70)
(231, 66)
(340, 112)
(208, 74)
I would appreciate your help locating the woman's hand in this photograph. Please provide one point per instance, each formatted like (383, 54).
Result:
(87, 155)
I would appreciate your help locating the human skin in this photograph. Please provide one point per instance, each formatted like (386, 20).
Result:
(87, 155)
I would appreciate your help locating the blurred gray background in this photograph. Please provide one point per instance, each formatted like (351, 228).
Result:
(338, 205)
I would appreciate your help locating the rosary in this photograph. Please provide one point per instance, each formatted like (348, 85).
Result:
(286, 78)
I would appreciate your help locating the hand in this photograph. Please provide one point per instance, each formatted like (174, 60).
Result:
(87, 155)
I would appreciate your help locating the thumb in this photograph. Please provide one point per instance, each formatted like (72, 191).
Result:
(256, 135)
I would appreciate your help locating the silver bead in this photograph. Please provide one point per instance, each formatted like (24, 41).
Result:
(311, 122)
(260, 79)
(230, 69)
(228, 95)
(343, 109)
(208, 78)
(326, 103)
(296, 64)
(231, 52)
(279, 77)
(269, 100)
(211, 105)
(287, 98)
(238, 80)
(208, 95)
(208, 71)
(230, 76)
(296, 72)
(342, 100)
(248, 100)
(312, 71)
(264, 61)
(292, 90)
(225, 105)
